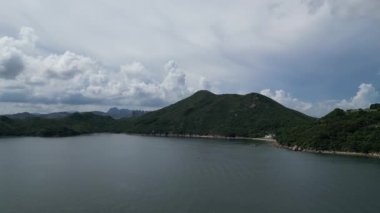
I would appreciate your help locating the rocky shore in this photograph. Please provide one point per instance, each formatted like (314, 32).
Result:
(300, 149)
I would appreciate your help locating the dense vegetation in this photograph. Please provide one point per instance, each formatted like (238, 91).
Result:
(112, 112)
(74, 124)
(352, 130)
(205, 113)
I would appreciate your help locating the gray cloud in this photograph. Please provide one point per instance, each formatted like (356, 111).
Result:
(17, 96)
(77, 99)
(117, 49)
(11, 66)
(73, 79)
(366, 8)
(314, 5)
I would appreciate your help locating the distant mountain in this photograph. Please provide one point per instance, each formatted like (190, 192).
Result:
(124, 113)
(205, 113)
(25, 115)
(113, 112)
(72, 124)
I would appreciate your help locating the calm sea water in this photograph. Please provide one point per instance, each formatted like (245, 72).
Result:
(121, 173)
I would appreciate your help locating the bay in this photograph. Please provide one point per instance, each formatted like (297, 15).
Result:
(124, 173)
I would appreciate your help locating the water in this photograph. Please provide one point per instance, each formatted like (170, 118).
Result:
(121, 173)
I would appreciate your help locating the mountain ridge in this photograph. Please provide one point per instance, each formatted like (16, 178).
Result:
(114, 112)
(226, 115)
(250, 115)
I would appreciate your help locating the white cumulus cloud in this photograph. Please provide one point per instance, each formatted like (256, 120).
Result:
(29, 76)
(286, 99)
(364, 97)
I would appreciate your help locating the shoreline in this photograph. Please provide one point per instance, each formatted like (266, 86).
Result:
(272, 141)
(207, 137)
(296, 148)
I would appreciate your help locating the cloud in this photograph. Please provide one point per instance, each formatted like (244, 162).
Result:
(286, 99)
(234, 42)
(11, 65)
(174, 83)
(118, 49)
(205, 84)
(314, 5)
(11, 53)
(368, 8)
(364, 97)
(28, 76)
(136, 71)
(67, 66)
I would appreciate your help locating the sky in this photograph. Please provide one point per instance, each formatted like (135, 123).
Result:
(309, 55)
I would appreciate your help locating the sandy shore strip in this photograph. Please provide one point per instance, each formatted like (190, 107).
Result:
(208, 137)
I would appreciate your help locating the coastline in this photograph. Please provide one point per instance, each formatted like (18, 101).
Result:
(207, 137)
(296, 148)
(272, 141)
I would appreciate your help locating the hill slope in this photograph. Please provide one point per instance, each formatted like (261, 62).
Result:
(112, 112)
(352, 130)
(73, 124)
(205, 113)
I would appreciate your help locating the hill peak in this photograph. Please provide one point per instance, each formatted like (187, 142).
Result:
(206, 113)
(203, 92)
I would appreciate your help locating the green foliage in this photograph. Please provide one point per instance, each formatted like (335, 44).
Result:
(354, 130)
(205, 113)
(75, 124)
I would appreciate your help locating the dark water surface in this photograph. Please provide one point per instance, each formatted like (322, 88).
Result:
(120, 173)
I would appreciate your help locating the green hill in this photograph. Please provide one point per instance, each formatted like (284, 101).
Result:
(205, 113)
(352, 130)
(74, 124)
